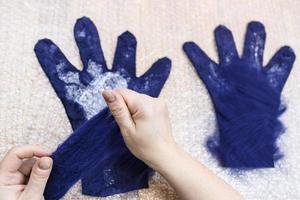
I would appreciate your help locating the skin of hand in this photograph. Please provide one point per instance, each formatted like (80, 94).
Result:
(24, 172)
(138, 113)
(145, 125)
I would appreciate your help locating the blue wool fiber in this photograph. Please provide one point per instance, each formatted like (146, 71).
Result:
(80, 93)
(96, 141)
(246, 97)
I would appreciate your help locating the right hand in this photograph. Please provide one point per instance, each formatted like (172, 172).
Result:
(144, 123)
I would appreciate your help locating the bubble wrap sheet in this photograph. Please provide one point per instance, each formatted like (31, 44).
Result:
(31, 113)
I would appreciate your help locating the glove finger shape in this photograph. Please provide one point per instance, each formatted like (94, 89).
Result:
(279, 67)
(61, 73)
(246, 97)
(254, 44)
(225, 45)
(206, 68)
(55, 64)
(153, 79)
(124, 60)
(88, 42)
(83, 100)
(127, 172)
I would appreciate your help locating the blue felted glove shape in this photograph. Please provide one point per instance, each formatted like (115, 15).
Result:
(245, 95)
(80, 93)
(92, 143)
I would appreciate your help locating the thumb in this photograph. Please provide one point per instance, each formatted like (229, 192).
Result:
(38, 179)
(119, 110)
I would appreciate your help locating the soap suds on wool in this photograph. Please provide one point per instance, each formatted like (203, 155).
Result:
(256, 46)
(274, 72)
(90, 96)
(81, 34)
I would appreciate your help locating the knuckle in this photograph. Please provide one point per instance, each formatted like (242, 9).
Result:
(38, 175)
(126, 130)
(140, 111)
(117, 111)
(13, 150)
(120, 90)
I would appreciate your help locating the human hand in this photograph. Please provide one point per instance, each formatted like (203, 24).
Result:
(24, 172)
(146, 129)
(144, 123)
(80, 93)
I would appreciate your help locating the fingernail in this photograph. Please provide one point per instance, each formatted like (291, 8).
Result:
(109, 96)
(45, 163)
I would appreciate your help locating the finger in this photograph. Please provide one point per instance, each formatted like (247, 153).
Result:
(225, 45)
(38, 179)
(119, 109)
(60, 73)
(255, 44)
(279, 67)
(9, 191)
(124, 59)
(152, 81)
(88, 42)
(27, 165)
(56, 66)
(205, 67)
(134, 101)
(14, 158)
(12, 178)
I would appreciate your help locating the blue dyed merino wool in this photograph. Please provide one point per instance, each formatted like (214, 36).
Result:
(94, 143)
(95, 152)
(246, 97)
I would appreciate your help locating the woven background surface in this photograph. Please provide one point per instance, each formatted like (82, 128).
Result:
(31, 113)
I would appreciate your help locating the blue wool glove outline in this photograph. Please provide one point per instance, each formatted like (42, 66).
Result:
(246, 97)
(80, 93)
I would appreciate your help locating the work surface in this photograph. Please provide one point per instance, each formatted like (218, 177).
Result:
(31, 113)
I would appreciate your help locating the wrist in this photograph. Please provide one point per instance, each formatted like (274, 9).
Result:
(168, 157)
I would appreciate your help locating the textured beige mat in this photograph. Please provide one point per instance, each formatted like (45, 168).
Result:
(31, 113)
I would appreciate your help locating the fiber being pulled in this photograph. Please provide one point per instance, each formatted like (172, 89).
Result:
(96, 141)
(246, 97)
(111, 169)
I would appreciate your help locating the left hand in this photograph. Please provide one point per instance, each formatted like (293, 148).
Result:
(24, 172)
